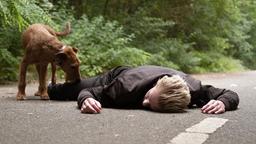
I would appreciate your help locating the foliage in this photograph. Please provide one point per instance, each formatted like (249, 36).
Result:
(7, 59)
(215, 62)
(194, 36)
(151, 36)
(103, 45)
(248, 51)
(9, 17)
(220, 27)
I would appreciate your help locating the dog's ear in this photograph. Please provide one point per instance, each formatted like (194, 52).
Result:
(75, 49)
(60, 57)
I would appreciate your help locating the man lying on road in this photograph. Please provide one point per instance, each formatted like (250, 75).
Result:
(152, 87)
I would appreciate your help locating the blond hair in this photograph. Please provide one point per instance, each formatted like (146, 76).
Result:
(174, 94)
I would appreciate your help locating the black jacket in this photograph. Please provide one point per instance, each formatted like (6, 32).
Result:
(124, 87)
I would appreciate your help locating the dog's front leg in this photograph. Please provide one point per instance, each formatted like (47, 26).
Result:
(42, 89)
(39, 91)
(53, 73)
(22, 81)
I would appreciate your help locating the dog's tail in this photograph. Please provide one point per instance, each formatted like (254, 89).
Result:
(66, 31)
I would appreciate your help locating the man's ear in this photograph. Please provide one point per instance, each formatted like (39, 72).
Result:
(60, 58)
(75, 49)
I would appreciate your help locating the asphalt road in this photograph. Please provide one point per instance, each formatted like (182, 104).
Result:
(34, 121)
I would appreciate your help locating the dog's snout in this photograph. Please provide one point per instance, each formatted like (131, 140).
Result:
(75, 74)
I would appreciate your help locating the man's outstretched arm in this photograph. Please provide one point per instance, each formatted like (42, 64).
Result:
(221, 100)
(89, 100)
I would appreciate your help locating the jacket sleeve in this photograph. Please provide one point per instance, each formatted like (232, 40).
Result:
(63, 91)
(228, 97)
(94, 92)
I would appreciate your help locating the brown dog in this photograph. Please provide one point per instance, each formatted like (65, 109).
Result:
(41, 48)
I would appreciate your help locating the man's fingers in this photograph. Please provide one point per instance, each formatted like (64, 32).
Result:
(208, 104)
(214, 107)
(217, 110)
(209, 107)
(205, 107)
(220, 111)
(221, 107)
(91, 105)
(94, 104)
(88, 109)
(95, 108)
(98, 104)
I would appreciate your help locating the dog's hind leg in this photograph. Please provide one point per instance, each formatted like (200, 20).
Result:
(22, 81)
(42, 89)
(43, 80)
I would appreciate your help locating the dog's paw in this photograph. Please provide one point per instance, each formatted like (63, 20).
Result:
(21, 96)
(38, 93)
(45, 97)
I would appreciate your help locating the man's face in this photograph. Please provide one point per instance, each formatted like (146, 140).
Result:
(151, 99)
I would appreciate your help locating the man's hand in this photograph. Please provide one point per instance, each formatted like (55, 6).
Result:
(91, 105)
(213, 107)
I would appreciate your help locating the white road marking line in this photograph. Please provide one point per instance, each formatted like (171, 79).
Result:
(208, 125)
(233, 85)
(198, 133)
(189, 138)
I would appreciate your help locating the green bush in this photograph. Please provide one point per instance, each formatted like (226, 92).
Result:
(10, 50)
(215, 62)
(8, 65)
(192, 36)
(160, 60)
(103, 45)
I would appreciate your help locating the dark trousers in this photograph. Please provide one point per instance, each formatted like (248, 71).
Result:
(70, 91)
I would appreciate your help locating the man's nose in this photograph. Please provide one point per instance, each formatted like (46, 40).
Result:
(145, 103)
